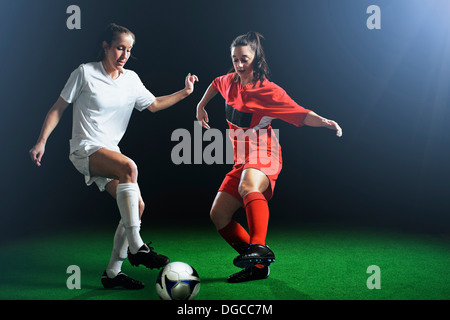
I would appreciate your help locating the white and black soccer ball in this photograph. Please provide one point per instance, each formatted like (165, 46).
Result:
(178, 281)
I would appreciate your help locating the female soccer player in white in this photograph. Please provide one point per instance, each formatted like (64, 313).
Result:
(251, 103)
(104, 95)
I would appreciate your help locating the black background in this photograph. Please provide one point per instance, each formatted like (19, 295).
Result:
(388, 89)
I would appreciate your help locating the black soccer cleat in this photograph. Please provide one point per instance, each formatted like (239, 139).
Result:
(249, 274)
(255, 254)
(147, 256)
(121, 280)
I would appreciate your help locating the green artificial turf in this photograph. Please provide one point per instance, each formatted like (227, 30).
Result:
(311, 264)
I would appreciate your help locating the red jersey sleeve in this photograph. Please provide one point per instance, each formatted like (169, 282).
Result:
(277, 104)
(286, 109)
(223, 83)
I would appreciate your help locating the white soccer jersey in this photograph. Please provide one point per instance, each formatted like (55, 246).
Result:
(102, 107)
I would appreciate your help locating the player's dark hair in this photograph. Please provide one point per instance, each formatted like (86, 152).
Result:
(111, 33)
(260, 68)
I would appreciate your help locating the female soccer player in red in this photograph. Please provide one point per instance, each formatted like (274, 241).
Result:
(251, 102)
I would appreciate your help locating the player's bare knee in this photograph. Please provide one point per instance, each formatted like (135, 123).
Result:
(213, 215)
(129, 171)
(216, 217)
(246, 188)
(219, 218)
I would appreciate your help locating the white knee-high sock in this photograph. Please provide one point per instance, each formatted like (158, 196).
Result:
(128, 203)
(119, 252)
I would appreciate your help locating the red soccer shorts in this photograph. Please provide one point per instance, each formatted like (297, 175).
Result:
(231, 182)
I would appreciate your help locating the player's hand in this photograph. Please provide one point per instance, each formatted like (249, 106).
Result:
(334, 126)
(37, 152)
(202, 117)
(190, 80)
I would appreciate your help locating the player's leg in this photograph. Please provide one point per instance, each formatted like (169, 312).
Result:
(111, 164)
(113, 275)
(223, 208)
(120, 240)
(251, 188)
(111, 188)
(222, 211)
(120, 244)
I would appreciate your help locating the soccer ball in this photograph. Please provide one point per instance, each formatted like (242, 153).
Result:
(177, 281)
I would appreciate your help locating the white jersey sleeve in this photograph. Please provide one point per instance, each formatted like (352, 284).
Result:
(74, 85)
(144, 98)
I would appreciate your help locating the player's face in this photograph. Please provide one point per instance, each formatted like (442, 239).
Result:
(119, 52)
(243, 57)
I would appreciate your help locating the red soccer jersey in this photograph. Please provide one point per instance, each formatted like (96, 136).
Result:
(254, 107)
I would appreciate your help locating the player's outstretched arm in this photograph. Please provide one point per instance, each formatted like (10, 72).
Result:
(165, 102)
(202, 115)
(314, 120)
(51, 121)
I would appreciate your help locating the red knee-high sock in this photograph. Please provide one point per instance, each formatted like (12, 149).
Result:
(257, 211)
(236, 236)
